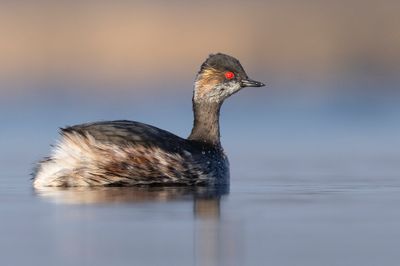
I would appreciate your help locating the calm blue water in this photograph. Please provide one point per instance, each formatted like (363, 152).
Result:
(310, 185)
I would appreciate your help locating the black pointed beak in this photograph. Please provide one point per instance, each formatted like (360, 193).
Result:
(251, 83)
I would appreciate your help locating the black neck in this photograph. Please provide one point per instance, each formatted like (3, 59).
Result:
(206, 122)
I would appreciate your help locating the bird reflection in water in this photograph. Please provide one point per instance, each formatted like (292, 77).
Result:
(110, 195)
(214, 241)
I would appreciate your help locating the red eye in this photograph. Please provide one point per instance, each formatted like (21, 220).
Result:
(229, 75)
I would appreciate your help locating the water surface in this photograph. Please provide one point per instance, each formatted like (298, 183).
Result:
(305, 189)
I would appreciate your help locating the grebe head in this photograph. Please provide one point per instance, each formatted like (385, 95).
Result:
(219, 77)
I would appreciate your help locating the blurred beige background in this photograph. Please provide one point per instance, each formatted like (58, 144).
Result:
(140, 42)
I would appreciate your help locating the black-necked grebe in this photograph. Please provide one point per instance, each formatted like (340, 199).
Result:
(126, 153)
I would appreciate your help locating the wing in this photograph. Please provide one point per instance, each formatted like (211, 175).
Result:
(123, 132)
